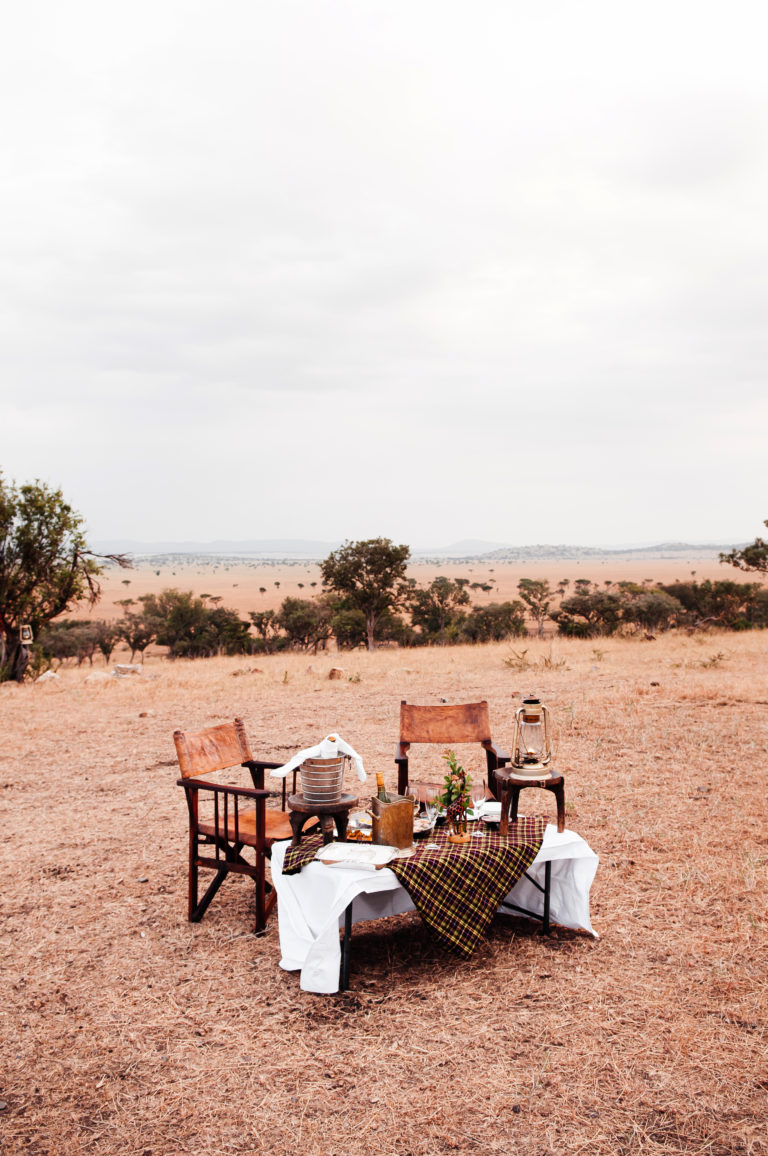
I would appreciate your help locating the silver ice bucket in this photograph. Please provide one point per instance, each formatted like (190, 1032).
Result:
(321, 779)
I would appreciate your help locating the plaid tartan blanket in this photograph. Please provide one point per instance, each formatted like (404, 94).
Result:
(455, 887)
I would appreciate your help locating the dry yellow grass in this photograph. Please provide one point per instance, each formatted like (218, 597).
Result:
(128, 1030)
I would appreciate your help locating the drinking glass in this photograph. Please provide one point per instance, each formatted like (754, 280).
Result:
(478, 796)
(412, 793)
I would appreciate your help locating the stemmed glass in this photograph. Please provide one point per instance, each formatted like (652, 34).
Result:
(478, 797)
(412, 793)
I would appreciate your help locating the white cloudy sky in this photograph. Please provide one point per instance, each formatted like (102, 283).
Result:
(430, 269)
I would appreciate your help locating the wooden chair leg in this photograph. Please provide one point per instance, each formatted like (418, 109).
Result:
(197, 912)
(192, 884)
(261, 906)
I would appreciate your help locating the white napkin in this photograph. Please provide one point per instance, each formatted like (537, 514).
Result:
(330, 748)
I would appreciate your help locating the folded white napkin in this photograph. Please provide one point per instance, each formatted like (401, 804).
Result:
(330, 748)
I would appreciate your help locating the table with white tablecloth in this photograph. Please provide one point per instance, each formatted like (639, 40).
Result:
(312, 903)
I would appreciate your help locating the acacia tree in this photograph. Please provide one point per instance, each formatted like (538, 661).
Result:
(370, 576)
(751, 557)
(107, 637)
(438, 605)
(306, 622)
(179, 619)
(135, 629)
(267, 627)
(537, 595)
(45, 566)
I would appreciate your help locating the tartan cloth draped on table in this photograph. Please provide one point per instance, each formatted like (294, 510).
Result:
(455, 887)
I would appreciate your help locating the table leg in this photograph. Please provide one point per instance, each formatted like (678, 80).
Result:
(326, 826)
(559, 790)
(346, 948)
(504, 824)
(297, 822)
(515, 800)
(547, 882)
(342, 818)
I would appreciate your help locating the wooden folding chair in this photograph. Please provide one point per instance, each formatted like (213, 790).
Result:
(240, 817)
(447, 725)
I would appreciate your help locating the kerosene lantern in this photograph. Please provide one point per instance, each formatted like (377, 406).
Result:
(531, 744)
(531, 754)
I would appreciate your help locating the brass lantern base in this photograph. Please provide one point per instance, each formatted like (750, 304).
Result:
(529, 771)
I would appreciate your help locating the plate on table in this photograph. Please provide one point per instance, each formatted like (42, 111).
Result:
(491, 812)
(422, 826)
(368, 857)
(360, 827)
(360, 821)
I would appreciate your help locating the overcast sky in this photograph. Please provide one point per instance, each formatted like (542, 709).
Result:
(429, 269)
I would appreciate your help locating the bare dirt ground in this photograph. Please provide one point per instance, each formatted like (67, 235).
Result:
(240, 584)
(127, 1030)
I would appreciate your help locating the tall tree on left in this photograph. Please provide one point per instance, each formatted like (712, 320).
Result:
(45, 567)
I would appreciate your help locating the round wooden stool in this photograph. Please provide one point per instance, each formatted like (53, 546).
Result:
(327, 813)
(510, 784)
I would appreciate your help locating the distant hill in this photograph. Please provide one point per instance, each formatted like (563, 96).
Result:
(466, 548)
(562, 553)
(257, 548)
(312, 550)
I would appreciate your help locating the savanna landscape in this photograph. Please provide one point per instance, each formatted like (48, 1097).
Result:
(355, 354)
(247, 585)
(129, 1030)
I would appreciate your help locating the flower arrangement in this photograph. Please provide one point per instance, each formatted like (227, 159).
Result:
(455, 797)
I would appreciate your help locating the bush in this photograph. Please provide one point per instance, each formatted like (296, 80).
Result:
(306, 622)
(733, 605)
(349, 628)
(589, 615)
(651, 610)
(495, 622)
(70, 639)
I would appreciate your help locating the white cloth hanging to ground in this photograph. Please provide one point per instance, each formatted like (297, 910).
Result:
(311, 904)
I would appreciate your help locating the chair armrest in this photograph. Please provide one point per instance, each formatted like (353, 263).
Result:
(501, 756)
(257, 767)
(223, 789)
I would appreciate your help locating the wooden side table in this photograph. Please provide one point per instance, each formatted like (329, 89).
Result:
(510, 785)
(328, 813)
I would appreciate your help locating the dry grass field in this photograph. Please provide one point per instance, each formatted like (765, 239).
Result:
(129, 1031)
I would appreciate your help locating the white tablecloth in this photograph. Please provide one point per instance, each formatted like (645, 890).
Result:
(311, 904)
